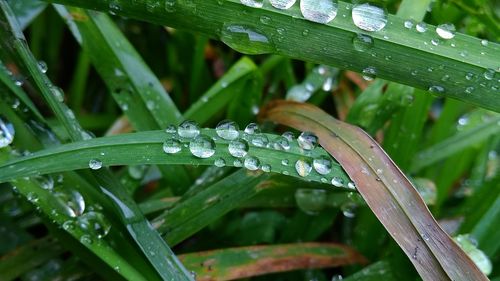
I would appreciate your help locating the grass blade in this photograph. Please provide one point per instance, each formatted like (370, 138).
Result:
(244, 262)
(387, 192)
(410, 51)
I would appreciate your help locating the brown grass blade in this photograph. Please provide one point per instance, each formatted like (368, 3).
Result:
(243, 262)
(385, 189)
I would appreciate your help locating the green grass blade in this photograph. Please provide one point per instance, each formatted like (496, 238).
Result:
(26, 10)
(146, 148)
(409, 50)
(456, 143)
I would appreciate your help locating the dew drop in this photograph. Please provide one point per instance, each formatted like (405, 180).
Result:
(43, 66)
(266, 168)
(252, 128)
(322, 165)
(338, 182)
(238, 148)
(362, 42)
(484, 42)
(202, 146)
(259, 140)
(421, 27)
(409, 24)
(45, 182)
(311, 201)
(489, 74)
(246, 39)
(7, 132)
(171, 129)
(252, 163)
(219, 162)
(446, 31)
(265, 20)
(369, 73)
(170, 5)
(307, 141)
(288, 135)
(281, 143)
(285, 162)
(238, 163)
(282, 4)
(369, 17)
(95, 164)
(253, 3)
(320, 11)
(303, 167)
(86, 239)
(188, 129)
(436, 89)
(95, 224)
(71, 202)
(227, 130)
(172, 146)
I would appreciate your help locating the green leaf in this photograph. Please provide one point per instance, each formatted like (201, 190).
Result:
(409, 50)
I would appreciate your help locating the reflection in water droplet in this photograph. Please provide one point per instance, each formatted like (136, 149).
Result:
(322, 165)
(202, 146)
(303, 167)
(188, 129)
(95, 164)
(320, 11)
(338, 182)
(219, 162)
(172, 146)
(7, 132)
(227, 130)
(446, 31)
(238, 148)
(252, 163)
(369, 17)
(307, 141)
(253, 3)
(95, 224)
(282, 4)
(71, 201)
(246, 39)
(421, 27)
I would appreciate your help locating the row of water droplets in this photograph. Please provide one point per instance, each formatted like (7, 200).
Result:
(188, 136)
(69, 207)
(367, 17)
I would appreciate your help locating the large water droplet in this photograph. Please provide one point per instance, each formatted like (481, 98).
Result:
(7, 132)
(322, 165)
(303, 167)
(172, 146)
(188, 129)
(71, 201)
(95, 164)
(421, 27)
(311, 201)
(446, 31)
(307, 141)
(202, 146)
(246, 39)
(281, 143)
(282, 4)
(42, 66)
(369, 17)
(252, 163)
(227, 130)
(252, 128)
(253, 3)
(259, 140)
(362, 43)
(320, 11)
(238, 148)
(95, 224)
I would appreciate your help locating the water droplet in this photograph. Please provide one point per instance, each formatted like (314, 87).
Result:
(369, 17)
(338, 182)
(95, 224)
(172, 146)
(246, 39)
(252, 128)
(446, 31)
(7, 132)
(362, 42)
(311, 201)
(114, 7)
(307, 141)
(421, 27)
(43, 66)
(351, 185)
(489, 74)
(469, 90)
(265, 19)
(282, 4)
(322, 165)
(188, 129)
(227, 130)
(171, 129)
(320, 11)
(252, 163)
(202, 146)
(71, 202)
(45, 182)
(238, 163)
(95, 164)
(436, 89)
(86, 239)
(266, 168)
(349, 210)
(219, 162)
(369, 73)
(281, 143)
(32, 197)
(259, 140)
(435, 42)
(484, 42)
(238, 148)
(469, 76)
(303, 167)
(409, 24)
(253, 3)
(288, 135)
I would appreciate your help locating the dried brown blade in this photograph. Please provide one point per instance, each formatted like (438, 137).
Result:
(385, 189)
